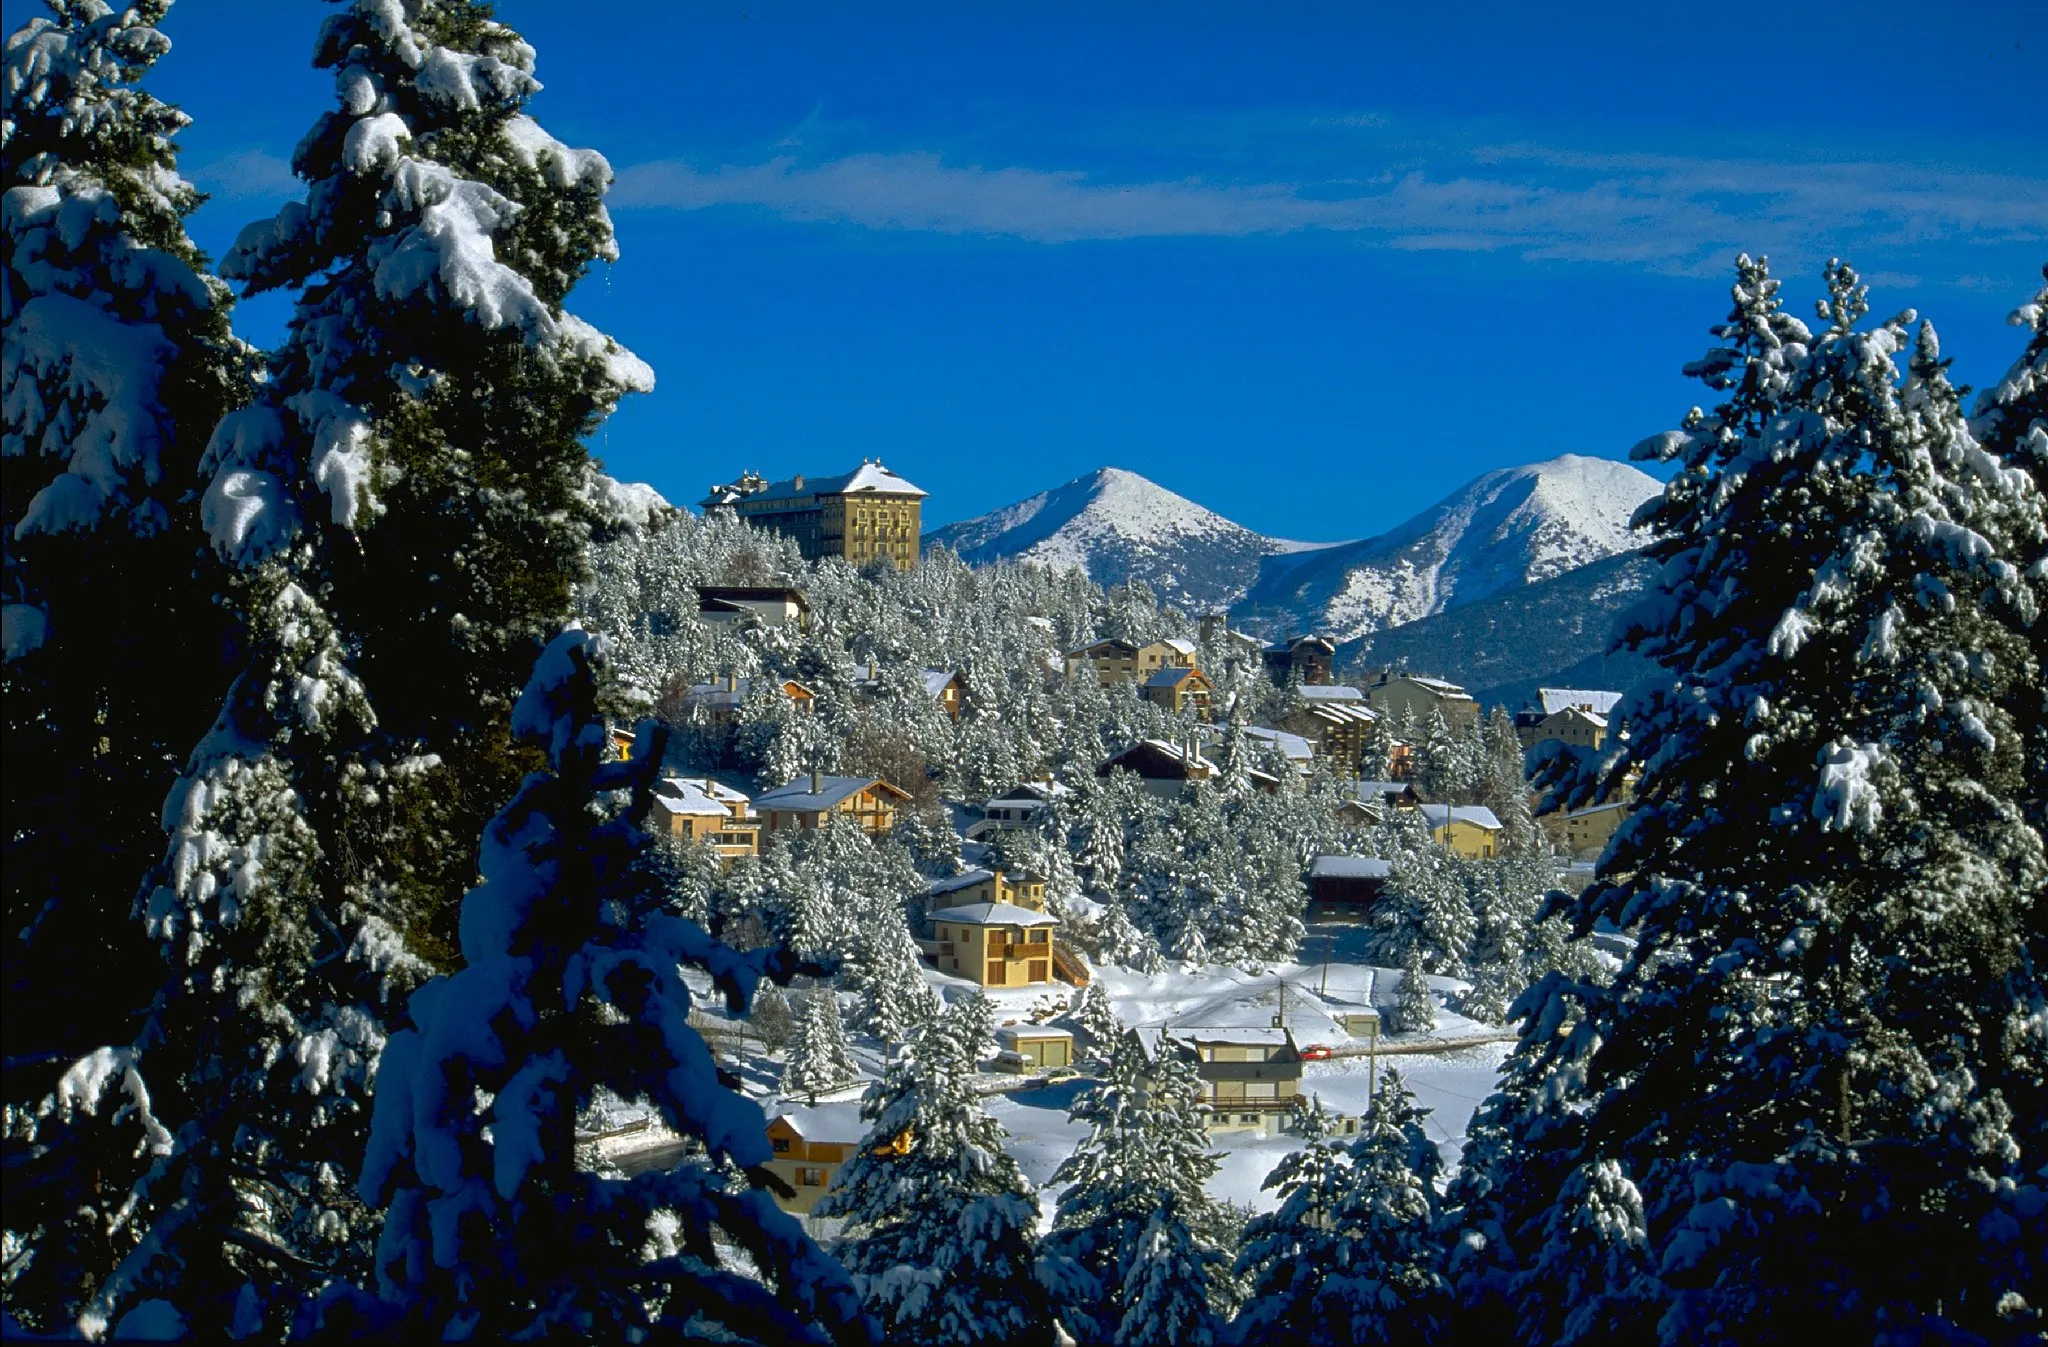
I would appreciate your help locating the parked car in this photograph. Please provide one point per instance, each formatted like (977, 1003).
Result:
(1058, 1074)
(1316, 1052)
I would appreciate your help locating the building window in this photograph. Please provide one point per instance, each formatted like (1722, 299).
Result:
(781, 1145)
(810, 1177)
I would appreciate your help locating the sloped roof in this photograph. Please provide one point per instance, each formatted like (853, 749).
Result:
(798, 797)
(1441, 687)
(1350, 867)
(696, 795)
(994, 914)
(966, 879)
(1439, 815)
(1554, 700)
(935, 680)
(1296, 748)
(1172, 677)
(1179, 646)
(868, 477)
(1328, 692)
(828, 1123)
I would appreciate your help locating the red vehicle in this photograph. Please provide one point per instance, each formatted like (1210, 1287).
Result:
(1315, 1052)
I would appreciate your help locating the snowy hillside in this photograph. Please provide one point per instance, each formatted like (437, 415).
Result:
(1116, 525)
(1506, 529)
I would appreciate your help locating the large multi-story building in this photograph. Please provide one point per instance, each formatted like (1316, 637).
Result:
(859, 515)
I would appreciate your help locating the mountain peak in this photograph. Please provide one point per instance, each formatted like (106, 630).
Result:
(1118, 525)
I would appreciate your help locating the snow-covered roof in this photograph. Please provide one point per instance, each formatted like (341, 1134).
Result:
(1244, 1035)
(1598, 702)
(1293, 746)
(798, 797)
(966, 879)
(1030, 792)
(1329, 692)
(1342, 713)
(868, 477)
(696, 795)
(1179, 646)
(1598, 808)
(1170, 677)
(1441, 687)
(1439, 815)
(1366, 790)
(994, 914)
(828, 1123)
(1350, 867)
(1038, 1033)
(935, 681)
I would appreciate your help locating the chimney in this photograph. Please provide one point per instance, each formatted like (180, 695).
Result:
(817, 782)
(798, 483)
(732, 681)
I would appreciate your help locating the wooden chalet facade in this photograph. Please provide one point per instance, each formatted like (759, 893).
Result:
(807, 1146)
(699, 809)
(807, 801)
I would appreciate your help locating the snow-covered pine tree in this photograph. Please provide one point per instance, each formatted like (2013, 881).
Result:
(1288, 1254)
(117, 362)
(1124, 1244)
(1096, 1018)
(819, 1059)
(572, 981)
(1504, 784)
(1814, 1067)
(1414, 1002)
(769, 1015)
(940, 1223)
(884, 972)
(1391, 1275)
(417, 450)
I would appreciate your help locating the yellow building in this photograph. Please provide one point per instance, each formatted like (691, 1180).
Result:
(1251, 1077)
(993, 929)
(1113, 660)
(1417, 698)
(1586, 830)
(699, 809)
(1470, 830)
(859, 515)
(808, 1145)
(1180, 689)
(1028, 1048)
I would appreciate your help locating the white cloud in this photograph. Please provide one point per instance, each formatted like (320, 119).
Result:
(1662, 212)
(245, 175)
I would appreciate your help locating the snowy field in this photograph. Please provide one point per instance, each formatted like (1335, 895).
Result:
(1450, 1083)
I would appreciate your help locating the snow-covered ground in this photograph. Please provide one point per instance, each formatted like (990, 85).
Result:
(1449, 1082)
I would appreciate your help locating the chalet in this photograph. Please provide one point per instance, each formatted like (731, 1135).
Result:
(1369, 801)
(1299, 752)
(1575, 715)
(699, 809)
(1251, 1077)
(1165, 769)
(1336, 720)
(805, 802)
(1018, 807)
(1586, 830)
(1021, 888)
(1407, 695)
(861, 516)
(718, 703)
(941, 685)
(775, 606)
(1300, 660)
(1113, 660)
(1470, 830)
(807, 1145)
(993, 943)
(1219, 638)
(1180, 690)
(1028, 1048)
(1346, 887)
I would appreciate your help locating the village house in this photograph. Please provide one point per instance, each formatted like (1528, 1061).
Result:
(1299, 752)
(775, 606)
(1399, 695)
(719, 702)
(1025, 1049)
(993, 929)
(1587, 830)
(941, 685)
(1336, 720)
(808, 801)
(698, 809)
(1575, 715)
(807, 1144)
(1344, 888)
(1165, 769)
(1113, 660)
(1369, 801)
(1220, 639)
(1301, 660)
(1470, 830)
(1017, 807)
(862, 515)
(1180, 690)
(1251, 1077)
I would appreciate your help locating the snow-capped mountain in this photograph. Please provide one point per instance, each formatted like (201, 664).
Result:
(1505, 529)
(1116, 525)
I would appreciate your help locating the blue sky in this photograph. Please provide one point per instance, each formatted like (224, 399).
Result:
(1314, 266)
